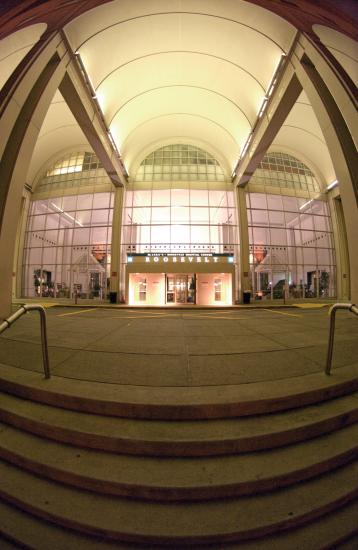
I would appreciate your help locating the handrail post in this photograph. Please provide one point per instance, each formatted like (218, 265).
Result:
(42, 312)
(332, 314)
(17, 314)
(332, 324)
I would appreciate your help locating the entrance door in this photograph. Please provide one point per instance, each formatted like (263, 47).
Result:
(181, 284)
(180, 289)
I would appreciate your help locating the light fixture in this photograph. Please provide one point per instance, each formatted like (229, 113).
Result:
(66, 214)
(332, 185)
(305, 204)
(263, 107)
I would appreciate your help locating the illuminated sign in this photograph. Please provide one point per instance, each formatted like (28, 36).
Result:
(181, 258)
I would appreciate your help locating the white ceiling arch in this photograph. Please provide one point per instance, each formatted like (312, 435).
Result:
(59, 127)
(344, 49)
(14, 47)
(196, 62)
(301, 135)
(170, 128)
(196, 103)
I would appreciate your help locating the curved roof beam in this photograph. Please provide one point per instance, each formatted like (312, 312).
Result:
(179, 114)
(180, 86)
(119, 67)
(168, 128)
(61, 127)
(179, 13)
(306, 131)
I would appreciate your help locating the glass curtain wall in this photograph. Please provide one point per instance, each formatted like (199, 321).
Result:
(183, 205)
(180, 220)
(290, 234)
(68, 236)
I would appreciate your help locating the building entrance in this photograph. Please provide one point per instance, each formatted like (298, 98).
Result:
(180, 288)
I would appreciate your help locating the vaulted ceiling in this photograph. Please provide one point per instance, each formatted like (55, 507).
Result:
(185, 70)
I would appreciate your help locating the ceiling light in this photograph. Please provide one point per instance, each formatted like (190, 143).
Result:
(331, 185)
(66, 214)
(305, 204)
(263, 107)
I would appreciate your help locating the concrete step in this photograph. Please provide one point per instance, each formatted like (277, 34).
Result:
(179, 438)
(175, 479)
(191, 402)
(326, 532)
(6, 544)
(350, 544)
(188, 523)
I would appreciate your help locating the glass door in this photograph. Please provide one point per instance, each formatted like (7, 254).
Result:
(180, 289)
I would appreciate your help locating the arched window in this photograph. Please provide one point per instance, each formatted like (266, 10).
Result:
(285, 171)
(74, 169)
(180, 162)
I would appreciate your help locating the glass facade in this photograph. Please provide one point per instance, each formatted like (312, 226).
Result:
(68, 246)
(290, 234)
(192, 217)
(179, 220)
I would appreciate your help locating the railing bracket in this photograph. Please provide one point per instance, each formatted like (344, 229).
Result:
(6, 323)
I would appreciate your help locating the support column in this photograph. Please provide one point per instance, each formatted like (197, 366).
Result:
(22, 113)
(116, 242)
(244, 260)
(341, 248)
(334, 107)
(20, 243)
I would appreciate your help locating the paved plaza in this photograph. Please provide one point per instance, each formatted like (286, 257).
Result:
(161, 347)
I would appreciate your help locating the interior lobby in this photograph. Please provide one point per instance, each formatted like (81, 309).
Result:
(165, 167)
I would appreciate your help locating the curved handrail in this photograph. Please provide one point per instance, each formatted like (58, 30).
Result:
(332, 313)
(6, 323)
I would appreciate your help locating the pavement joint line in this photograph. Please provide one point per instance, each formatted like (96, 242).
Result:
(76, 312)
(203, 316)
(140, 317)
(282, 313)
(77, 351)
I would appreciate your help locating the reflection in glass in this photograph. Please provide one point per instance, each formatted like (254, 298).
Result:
(72, 256)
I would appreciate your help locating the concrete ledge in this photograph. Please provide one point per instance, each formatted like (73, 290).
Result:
(183, 438)
(189, 523)
(174, 479)
(189, 402)
(326, 532)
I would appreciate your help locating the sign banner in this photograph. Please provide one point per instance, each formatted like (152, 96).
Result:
(196, 258)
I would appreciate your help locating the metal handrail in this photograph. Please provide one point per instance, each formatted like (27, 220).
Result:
(332, 313)
(19, 313)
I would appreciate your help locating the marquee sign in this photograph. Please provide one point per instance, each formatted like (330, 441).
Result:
(195, 258)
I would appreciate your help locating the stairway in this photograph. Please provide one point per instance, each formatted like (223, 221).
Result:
(255, 466)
